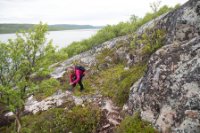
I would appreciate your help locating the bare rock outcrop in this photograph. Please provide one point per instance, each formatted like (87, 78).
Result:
(168, 95)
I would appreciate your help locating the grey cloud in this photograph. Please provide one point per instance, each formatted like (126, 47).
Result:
(75, 11)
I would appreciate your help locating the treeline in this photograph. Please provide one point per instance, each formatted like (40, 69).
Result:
(12, 28)
(112, 31)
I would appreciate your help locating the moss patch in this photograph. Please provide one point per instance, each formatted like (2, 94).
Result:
(133, 124)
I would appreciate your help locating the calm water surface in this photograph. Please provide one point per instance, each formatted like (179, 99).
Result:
(60, 38)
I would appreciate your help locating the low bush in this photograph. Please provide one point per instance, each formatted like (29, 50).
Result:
(134, 124)
(47, 88)
(58, 120)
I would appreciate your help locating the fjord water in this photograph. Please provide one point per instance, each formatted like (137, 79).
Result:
(60, 38)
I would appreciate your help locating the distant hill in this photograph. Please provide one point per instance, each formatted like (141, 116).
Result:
(12, 28)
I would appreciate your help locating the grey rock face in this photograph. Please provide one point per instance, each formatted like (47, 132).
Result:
(33, 106)
(182, 24)
(169, 93)
(170, 87)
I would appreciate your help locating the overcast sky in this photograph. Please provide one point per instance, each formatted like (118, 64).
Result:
(93, 12)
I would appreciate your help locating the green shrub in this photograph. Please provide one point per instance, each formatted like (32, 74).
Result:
(47, 88)
(44, 73)
(133, 124)
(117, 81)
(52, 56)
(58, 120)
(152, 41)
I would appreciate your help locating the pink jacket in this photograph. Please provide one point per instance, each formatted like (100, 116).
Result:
(78, 74)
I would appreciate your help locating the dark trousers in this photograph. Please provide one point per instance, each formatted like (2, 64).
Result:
(80, 83)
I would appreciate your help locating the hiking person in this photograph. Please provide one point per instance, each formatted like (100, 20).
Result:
(76, 75)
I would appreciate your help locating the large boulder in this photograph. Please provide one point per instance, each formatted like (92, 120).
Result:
(168, 95)
(4, 116)
(170, 87)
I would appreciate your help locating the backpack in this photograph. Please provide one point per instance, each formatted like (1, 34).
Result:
(80, 68)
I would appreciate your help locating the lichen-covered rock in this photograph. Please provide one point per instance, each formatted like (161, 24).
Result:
(169, 93)
(172, 81)
(188, 126)
(57, 100)
(182, 24)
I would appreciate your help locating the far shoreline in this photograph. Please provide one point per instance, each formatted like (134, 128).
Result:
(53, 30)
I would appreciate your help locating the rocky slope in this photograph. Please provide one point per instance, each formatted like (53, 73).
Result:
(168, 95)
(88, 58)
(110, 113)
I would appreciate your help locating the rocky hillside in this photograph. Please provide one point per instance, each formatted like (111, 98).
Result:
(154, 72)
(168, 95)
(110, 113)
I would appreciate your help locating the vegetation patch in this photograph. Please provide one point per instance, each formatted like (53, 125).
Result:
(134, 124)
(116, 82)
(58, 120)
(47, 88)
(149, 42)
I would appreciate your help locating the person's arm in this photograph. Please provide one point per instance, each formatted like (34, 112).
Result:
(78, 77)
(71, 78)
